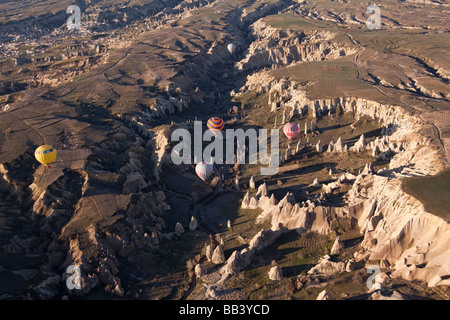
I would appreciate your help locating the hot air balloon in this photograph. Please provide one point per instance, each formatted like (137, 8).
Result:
(45, 154)
(290, 130)
(231, 47)
(203, 170)
(215, 124)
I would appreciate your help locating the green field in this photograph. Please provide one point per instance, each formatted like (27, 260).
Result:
(433, 192)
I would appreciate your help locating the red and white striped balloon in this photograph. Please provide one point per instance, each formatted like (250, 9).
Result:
(203, 170)
(290, 130)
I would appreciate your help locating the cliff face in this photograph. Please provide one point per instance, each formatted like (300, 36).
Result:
(398, 232)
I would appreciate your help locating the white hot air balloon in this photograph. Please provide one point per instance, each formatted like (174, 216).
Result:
(231, 47)
(203, 170)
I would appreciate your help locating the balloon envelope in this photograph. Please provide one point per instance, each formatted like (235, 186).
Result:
(231, 47)
(290, 130)
(203, 170)
(45, 154)
(215, 124)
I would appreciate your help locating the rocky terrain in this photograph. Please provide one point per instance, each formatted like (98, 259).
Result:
(350, 194)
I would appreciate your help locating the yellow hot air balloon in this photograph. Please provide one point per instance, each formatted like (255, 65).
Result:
(45, 154)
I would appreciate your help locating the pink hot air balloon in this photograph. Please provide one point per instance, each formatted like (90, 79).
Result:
(203, 170)
(290, 130)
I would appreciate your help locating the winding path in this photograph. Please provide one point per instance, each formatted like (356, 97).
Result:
(419, 111)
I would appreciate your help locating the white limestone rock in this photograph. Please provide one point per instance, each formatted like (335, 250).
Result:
(262, 190)
(338, 146)
(330, 147)
(208, 252)
(275, 273)
(199, 270)
(350, 265)
(218, 255)
(299, 145)
(327, 267)
(324, 295)
(319, 147)
(252, 183)
(338, 246)
(360, 145)
(316, 183)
